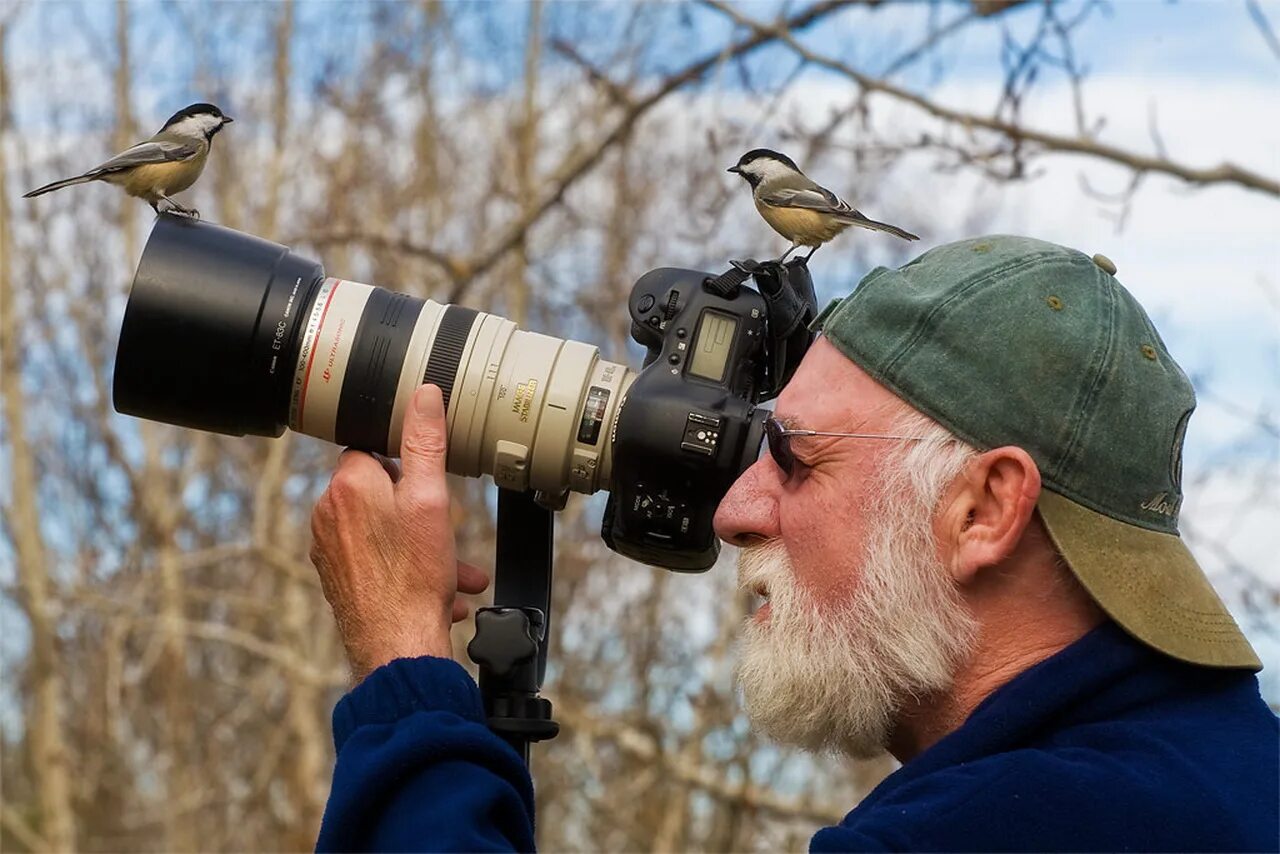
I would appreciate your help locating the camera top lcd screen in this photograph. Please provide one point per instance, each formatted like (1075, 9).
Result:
(712, 345)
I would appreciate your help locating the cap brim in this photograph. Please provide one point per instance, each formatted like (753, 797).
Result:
(1149, 583)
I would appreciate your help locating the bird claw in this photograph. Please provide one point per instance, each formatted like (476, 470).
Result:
(170, 206)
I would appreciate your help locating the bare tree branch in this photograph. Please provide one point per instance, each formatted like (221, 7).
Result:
(14, 823)
(1224, 173)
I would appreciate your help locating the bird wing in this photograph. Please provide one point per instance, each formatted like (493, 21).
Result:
(151, 151)
(818, 198)
(813, 198)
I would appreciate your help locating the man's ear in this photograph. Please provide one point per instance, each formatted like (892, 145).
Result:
(988, 508)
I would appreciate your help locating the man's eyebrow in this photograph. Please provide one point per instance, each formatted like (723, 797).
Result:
(790, 422)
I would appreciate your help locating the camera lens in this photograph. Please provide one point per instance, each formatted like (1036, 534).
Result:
(231, 333)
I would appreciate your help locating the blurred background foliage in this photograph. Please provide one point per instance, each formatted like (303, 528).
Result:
(169, 664)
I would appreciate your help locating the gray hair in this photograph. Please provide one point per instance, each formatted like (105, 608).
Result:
(932, 463)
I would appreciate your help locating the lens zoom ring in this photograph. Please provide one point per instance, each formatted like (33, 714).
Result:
(378, 350)
(446, 350)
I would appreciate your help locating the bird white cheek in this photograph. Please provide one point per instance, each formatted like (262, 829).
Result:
(767, 170)
(196, 126)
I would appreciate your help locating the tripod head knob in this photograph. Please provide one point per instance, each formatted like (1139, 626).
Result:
(505, 638)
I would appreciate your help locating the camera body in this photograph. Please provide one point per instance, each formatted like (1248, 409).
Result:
(689, 425)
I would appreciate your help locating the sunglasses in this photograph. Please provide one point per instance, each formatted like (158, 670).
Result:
(779, 440)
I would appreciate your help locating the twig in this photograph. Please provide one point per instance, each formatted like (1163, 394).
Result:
(455, 268)
(937, 36)
(15, 824)
(617, 93)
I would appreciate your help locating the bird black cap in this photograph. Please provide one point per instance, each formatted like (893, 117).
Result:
(194, 110)
(757, 153)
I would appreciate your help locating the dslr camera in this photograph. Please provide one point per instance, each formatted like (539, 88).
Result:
(230, 333)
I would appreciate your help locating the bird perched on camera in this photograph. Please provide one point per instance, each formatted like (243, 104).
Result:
(165, 164)
(801, 210)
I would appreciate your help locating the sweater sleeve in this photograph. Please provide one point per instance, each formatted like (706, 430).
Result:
(418, 770)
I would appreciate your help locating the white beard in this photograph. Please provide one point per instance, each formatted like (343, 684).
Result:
(833, 676)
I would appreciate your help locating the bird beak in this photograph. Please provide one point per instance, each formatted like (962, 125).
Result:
(226, 120)
(734, 169)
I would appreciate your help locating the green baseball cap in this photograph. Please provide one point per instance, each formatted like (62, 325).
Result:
(1013, 341)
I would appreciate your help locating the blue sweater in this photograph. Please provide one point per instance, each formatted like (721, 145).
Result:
(1106, 746)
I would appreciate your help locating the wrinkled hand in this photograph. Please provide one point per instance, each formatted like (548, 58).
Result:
(384, 547)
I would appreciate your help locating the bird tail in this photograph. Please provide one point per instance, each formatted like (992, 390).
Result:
(58, 185)
(858, 219)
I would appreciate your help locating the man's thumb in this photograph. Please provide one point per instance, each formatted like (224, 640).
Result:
(423, 440)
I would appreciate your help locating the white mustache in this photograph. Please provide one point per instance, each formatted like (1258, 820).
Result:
(767, 564)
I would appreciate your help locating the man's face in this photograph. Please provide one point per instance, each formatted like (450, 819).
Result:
(860, 612)
(821, 512)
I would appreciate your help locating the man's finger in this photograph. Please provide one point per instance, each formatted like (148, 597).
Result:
(422, 443)
(471, 578)
(357, 473)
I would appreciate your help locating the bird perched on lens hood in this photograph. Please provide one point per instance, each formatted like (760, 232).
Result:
(801, 210)
(159, 167)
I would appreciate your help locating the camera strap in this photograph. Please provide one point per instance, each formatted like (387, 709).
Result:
(792, 305)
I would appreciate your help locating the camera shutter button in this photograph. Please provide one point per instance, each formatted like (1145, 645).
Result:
(646, 303)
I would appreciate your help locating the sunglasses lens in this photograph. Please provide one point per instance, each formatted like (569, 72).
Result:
(779, 446)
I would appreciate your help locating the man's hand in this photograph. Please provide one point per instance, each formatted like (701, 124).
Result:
(384, 547)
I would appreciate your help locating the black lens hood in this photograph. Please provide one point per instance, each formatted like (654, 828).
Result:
(210, 333)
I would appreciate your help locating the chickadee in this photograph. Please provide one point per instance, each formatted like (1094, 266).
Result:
(802, 211)
(166, 164)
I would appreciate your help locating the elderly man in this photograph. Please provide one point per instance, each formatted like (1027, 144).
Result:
(966, 533)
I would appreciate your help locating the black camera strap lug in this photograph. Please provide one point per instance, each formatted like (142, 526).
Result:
(727, 283)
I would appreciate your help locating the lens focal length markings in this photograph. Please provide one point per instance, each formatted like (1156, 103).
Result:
(306, 353)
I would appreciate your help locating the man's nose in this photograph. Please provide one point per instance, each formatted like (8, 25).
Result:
(749, 511)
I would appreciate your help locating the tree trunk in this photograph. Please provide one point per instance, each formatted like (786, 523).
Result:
(46, 741)
(526, 159)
